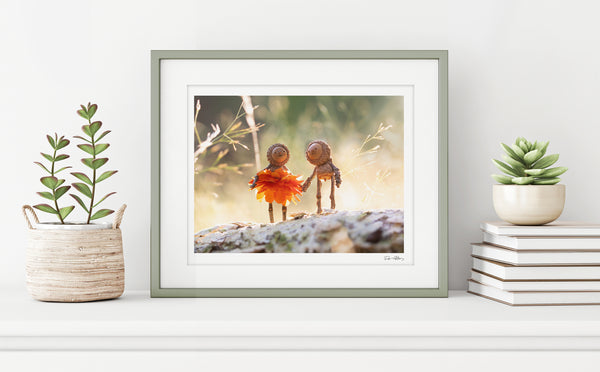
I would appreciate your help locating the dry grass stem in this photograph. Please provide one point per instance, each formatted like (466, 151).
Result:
(247, 104)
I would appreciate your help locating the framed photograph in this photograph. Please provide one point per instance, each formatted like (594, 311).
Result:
(299, 173)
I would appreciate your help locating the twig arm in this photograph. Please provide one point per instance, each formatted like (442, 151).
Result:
(337, 175)
(253, 185)
(306, 183)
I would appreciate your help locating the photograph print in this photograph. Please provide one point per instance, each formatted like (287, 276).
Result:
(298, 174)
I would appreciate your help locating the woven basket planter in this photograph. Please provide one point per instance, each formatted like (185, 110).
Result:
(67, 264)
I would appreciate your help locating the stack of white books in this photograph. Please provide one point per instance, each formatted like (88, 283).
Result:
(554, 264)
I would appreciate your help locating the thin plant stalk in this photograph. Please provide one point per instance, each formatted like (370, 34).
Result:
(247, 103)
(198, 107)
(231, 135)
(93, 176)
(62, 221)
(52, 181)
(94, 148)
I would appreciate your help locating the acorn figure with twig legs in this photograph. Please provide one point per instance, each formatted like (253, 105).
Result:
(318, 153)
(276, 183)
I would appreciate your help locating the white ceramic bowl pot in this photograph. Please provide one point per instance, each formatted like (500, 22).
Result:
(529, 204)
(74, 262)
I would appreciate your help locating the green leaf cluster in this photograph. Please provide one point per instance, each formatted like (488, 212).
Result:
(526, 163)
(92, 147)
(53, 183)
(87, 186)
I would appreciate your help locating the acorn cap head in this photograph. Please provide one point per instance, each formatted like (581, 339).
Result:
(318, 153)
(278, 154)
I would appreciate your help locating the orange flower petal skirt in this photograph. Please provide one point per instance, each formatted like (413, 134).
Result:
(279, 186)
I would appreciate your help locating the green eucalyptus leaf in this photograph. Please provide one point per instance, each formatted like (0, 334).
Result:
(81, 203)
(103, 198)
(46, 194)
(532, 156)
(505, 168)
(105, 175)
(92, 110)
(60, 182)
(546, 181)
(102, 135)
(88, 162)
(61, 157)
(95, 127)
(50, 182)
(62, 143)
(506, 180)
(97, 163)
(86, 130)
(546, 161)
(82, 188)
(48, 157)
(64, 212)
(554, 172)
(81, 138)
(51, 141)
(535, 172)
(61, 191)
(522, 180)
(62, 169)
(46, 208)
(87, 148)
(101, 147)
(42, 165)
(82, 177)
(101, 213)
(83, 113)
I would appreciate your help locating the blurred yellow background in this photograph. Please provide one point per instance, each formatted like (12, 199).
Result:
(366, 134)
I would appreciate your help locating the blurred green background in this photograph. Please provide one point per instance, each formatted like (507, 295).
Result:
(366, 134)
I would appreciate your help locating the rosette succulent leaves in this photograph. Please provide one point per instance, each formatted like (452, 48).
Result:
(526, 163)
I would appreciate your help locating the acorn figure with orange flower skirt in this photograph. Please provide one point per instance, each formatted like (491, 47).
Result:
(318, 153)
(276, 182)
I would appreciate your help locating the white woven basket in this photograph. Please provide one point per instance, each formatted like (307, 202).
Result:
(74, 265)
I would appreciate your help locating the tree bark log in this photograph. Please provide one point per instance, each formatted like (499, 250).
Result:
(367, 231)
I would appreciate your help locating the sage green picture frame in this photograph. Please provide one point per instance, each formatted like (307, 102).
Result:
(442, 58)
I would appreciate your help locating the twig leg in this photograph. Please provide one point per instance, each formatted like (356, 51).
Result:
(284, 212)
(332, 194)
(271, 212)
(319, 210)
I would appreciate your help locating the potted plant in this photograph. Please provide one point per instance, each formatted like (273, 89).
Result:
(75, 262)
(529, 193)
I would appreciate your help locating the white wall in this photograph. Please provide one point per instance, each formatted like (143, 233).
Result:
(526, 68)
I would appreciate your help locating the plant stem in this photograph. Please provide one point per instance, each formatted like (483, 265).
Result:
(54, 190)
(196, 123)
(93, 178)
(249, 109)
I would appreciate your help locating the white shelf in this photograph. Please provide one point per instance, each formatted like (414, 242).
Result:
(137, 322)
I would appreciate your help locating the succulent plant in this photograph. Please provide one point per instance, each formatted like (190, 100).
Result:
(93, 148)
(88, 186)
(53, 183)
(526, 163)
